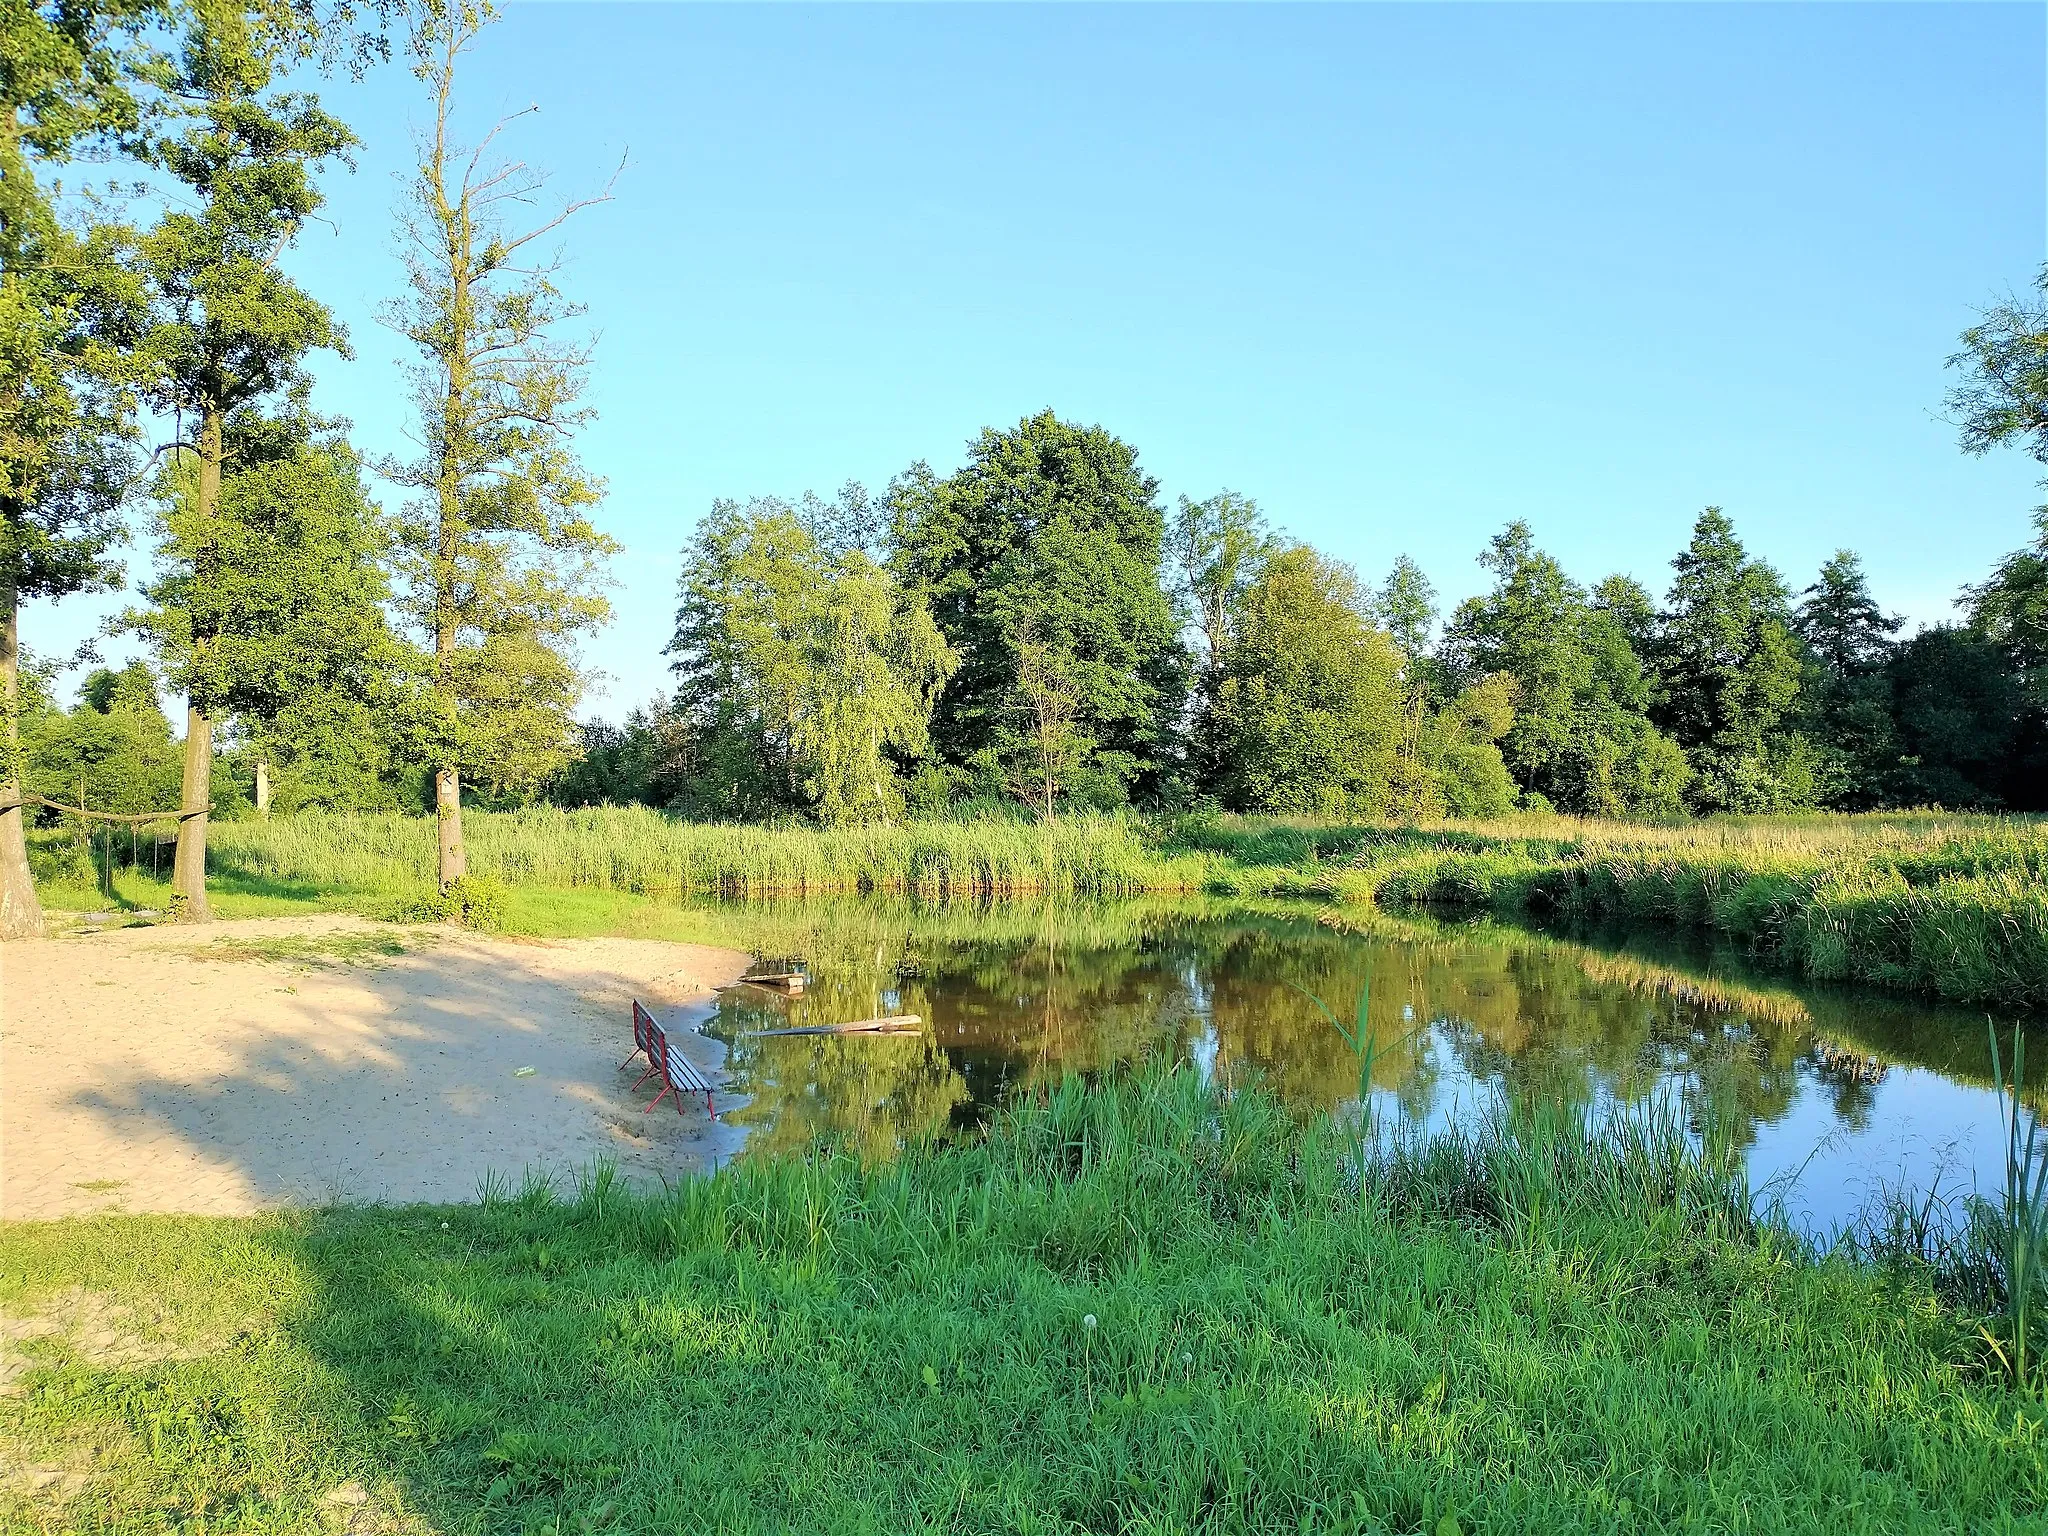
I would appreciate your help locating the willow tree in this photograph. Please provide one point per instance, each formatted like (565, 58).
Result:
(505, 568)
(69, 74)
(808, 674)
(229, 332)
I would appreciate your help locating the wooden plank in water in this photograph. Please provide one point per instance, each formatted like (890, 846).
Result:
(895, 1024)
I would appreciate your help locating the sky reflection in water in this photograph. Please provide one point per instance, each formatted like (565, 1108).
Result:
(1829, 1091)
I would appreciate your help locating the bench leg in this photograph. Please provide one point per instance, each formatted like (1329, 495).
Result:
(666, 1090)
(641, 1079)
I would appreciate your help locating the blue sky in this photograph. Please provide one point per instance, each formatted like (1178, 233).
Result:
(1401, 273)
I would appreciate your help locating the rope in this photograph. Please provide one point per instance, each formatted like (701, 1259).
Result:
(28, 799)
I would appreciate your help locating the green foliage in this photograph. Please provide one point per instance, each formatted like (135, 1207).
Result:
(1728, 670)
(469, 901)
(1521, 1325)
(1847, 704)
(503, 568)
(616, 764)
(2003, 397)
(69, 78)
(272, 607)
(1950, 724)
(1214, 551)
(226, 328)
(1581, 736)
(1051, 529)
(1405, 607)
(1311, 698)
(115, 746)
(807, 674)
(1463, 773)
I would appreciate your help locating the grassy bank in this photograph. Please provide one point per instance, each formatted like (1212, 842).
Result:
(1136, 1310)
(1951, 906)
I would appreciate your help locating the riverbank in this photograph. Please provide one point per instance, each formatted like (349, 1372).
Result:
(1948, 906)
(1145, 1308)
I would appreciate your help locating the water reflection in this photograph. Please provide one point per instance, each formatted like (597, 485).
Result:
(1850, 1088)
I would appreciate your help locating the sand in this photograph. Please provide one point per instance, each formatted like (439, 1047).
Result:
(137, 1073)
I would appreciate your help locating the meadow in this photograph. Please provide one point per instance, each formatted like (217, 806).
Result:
(1147, 1306)
(1951, 906)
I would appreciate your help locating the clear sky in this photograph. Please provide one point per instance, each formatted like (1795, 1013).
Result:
(1401, 273)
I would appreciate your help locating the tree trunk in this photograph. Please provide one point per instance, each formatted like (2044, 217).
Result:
(188, 869)
(262, 787)
(21, 915)
(454, 863)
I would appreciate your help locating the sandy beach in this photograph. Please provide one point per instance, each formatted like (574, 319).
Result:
(141, 1072)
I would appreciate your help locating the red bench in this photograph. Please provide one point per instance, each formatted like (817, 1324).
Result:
(677, 1075)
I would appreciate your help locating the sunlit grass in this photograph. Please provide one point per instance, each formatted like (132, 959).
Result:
(1514, 1328)
(1955, 906)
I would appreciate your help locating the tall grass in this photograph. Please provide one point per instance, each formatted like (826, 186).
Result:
(636, 849)
(1952, 906)
(2020, 1219)
(1955, 906)
(1520, 1328)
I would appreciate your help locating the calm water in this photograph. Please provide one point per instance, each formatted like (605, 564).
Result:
(1831, 1093)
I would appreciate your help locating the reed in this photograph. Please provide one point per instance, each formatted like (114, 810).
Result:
(636, 849)
(2019, 1222)
(1952, 906)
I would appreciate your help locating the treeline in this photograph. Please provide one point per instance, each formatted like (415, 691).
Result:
(1038, 629)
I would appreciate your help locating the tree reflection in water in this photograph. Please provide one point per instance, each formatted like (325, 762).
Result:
(1016, 995)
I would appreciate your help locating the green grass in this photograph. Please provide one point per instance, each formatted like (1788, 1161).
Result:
(1517, 1329)
(312, 951)
(1950, 906)
(635, 849)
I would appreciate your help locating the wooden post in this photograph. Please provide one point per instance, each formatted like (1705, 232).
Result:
(262, 787)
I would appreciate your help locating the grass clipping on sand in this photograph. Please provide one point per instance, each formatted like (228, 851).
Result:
(315, 950)
(1142, 1307)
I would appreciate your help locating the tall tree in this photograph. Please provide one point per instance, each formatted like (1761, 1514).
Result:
(1847, 699)
(70, 72)
(228, 331)
(1406, 608)
(1729, 672)
(1312, 699)
(1053, 526)
(1581, 737)
(1050, 700)
(1956, 715)
(807, 674)
(1839, 619)
(506, 568)
(1214, 550)
(270, 606)
(2002, 401)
